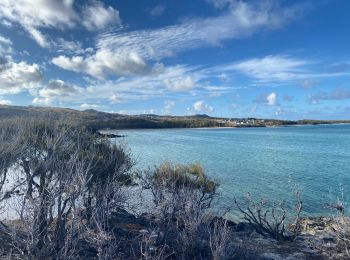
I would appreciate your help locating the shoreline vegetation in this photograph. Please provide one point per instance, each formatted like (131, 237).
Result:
(71, 190)
(96, 120)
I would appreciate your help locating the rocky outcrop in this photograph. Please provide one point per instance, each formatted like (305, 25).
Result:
(316, 241)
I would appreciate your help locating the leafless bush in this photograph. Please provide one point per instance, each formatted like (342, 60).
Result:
(10, 150)
(269, 218)
(219, 236)
(149, 250)
(69, 181)
(342, 230)
(341, 224)
(181, 194)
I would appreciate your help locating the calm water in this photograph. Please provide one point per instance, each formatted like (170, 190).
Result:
(263, 161)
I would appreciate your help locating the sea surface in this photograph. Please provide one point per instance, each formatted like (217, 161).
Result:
(267, 162)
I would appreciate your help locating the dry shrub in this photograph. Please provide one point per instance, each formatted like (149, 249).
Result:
(269, 219)
(68, 181)
(181, 196)
(219, 236)
(341, 226)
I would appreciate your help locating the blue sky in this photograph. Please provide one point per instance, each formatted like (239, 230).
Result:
(267, 59)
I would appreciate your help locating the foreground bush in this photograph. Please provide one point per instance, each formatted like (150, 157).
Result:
(270, 219)
(66, 182)
(181, 195)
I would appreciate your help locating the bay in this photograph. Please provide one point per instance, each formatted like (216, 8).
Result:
(267, 162)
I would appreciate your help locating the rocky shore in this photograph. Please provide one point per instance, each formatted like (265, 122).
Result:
(316, 241)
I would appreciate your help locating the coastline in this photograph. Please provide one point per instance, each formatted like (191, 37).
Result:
(102, 131)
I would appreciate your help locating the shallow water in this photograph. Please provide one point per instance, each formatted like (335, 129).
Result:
(268, 162)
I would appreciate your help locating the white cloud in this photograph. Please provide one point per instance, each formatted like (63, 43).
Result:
(147, 85)
(276, 69)
(308, 83)
(65, 46)
(56, 14)
(18, 77)
(335, 94)
(104, 62)
(241, 20)
(141, 87)
(129, 53)
(5, 102)
(75, 63)
(39, 37)
(201, 106)
(119, 90)
(89, 106)
(158, 10)
(271, 68)
(6, 23)
(56, 89)
(176, 81)
(168, 106)
(271, 99)
(223, 77)
(97, 16)
(35, 14)
(5, 45)
(222, 3)
(116, 98)
(180, 84)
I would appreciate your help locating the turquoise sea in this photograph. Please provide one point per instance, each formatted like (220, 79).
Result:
(268, 162)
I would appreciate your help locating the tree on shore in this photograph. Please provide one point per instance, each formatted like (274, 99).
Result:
(67, 181)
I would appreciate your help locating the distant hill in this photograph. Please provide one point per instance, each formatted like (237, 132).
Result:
(97, 120)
